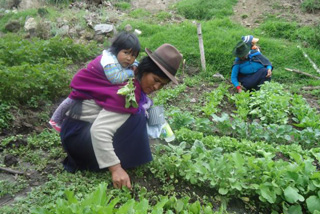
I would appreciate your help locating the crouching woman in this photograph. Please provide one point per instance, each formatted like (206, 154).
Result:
(100, 133)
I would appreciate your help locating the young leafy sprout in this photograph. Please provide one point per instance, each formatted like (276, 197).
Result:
(128, 92)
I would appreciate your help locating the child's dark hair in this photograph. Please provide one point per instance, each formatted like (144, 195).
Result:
(148, 66)
(125, 40)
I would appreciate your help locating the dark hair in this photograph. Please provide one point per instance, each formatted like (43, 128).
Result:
(148, 66)
(125, 40)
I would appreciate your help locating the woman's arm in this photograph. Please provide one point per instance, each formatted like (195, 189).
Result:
(234, 77)
(102, 132)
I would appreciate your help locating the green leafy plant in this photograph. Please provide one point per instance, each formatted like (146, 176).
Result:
(214, 98)
(128, 92)
(6, 116)
(270, 104)
(11, 188)
(162, 97)
(99, 202)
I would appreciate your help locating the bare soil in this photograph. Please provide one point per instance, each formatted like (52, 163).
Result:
(153, 5)
(251, 13)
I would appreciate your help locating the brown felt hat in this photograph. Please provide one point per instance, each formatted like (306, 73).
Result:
(168, 59)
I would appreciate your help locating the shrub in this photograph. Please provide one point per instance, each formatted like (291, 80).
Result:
(204, 9)
(16, 51)
(37, 69)
(44, 81)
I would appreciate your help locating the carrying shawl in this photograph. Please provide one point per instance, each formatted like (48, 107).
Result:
(91, 83)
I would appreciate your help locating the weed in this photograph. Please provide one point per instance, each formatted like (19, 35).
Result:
(163, 15)
(244, 16)
(6, 116)
(310, 5)
(11, 188)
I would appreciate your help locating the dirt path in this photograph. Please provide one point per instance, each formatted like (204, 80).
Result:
(250, 13)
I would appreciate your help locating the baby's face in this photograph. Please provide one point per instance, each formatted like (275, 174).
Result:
(126, 57)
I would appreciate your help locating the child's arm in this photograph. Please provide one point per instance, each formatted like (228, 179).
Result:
(116, 74)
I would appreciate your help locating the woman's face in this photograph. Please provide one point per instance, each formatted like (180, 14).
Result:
(151, 82)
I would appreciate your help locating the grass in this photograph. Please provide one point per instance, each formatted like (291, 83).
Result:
(278, 41)
(123, 6)
(205, 10)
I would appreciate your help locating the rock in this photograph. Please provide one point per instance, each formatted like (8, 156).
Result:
(73, 32)
(95, 1)
(11, 4)
(13, 26)
(99, 38)
(218, 76)
(29, 4)
(103, 29)
(45, 29)
(86, 35)
(64, 30)
(10, 160)
(30, 25)
(193, 100)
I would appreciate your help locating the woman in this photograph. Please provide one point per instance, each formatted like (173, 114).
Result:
(123, 142)
(250, 68)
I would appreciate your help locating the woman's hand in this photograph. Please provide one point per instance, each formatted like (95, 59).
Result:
(269, 73)
(239, 89)
(120, 178)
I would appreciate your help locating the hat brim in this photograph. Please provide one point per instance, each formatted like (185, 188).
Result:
(167, 73)
(241, 55)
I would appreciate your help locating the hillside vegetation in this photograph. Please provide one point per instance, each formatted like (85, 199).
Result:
(253, 152)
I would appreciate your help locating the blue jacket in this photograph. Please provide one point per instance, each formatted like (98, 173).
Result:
(252, 64)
